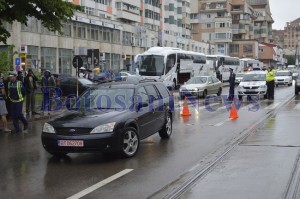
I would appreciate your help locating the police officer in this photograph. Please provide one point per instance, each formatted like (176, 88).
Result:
(231, 84)
(270, 83)
(15, 94)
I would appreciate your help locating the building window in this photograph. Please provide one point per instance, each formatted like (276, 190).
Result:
(79, 30)
(208, 25)
(106, 35)
(248, 48)
(127, 38)
(234, 48)
(67, 29)
(208, 16)
(261, 50)
(116, 36)
(32, 25)
(32, 57)
(93, 32)
(48, 58)
(116, 61)
(65, 60)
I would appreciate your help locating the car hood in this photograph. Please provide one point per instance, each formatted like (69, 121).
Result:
(282, 77)
(86, 119)
(192, 86)
(253, 83)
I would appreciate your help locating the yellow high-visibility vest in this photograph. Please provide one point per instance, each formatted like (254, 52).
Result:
(20, 96)
(270, 76)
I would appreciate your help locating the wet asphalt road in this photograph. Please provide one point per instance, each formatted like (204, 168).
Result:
(27, 171)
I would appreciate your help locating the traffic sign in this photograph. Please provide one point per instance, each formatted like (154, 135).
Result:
(17, 61)
(77, 62)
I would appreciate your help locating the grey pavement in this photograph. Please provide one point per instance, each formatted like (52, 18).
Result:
(263, 166)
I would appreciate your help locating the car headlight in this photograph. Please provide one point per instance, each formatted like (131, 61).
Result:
(195, 89)
(182, 89)
(109, 127)
(48, 128)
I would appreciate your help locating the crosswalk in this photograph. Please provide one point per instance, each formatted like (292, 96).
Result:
(263, 104)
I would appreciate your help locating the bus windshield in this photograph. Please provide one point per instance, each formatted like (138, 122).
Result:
(152, 65)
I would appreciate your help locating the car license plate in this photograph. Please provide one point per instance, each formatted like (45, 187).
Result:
(70, 143)
(248, 90)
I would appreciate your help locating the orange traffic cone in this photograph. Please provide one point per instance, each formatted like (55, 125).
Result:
(233, 111)
(185, 110)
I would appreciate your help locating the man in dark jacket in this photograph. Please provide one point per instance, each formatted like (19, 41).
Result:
(15, 94)
(231, 84)
(30, 86)
(48, 86)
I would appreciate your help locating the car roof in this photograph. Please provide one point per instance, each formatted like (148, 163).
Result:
(283, 71)
(256, 72)
(126, 84)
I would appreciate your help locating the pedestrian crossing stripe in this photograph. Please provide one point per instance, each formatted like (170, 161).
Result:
(272, 106)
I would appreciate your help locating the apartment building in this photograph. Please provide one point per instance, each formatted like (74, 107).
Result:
(113, 30)
(291, 39)
(234, 26)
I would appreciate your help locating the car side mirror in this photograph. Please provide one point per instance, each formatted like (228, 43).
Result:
(140, 105)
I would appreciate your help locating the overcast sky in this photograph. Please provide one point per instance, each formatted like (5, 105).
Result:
(284, 11)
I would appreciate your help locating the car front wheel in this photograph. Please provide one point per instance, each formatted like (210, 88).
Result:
(130, 143)
(166, 130)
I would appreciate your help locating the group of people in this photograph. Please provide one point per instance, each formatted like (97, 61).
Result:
(15, 89)
(270, 79)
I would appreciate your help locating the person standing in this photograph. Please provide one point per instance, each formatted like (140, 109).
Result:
(231, 84)
(270, 83)
(48, 88)
(30, 86)
(3, 110)
(16, 93)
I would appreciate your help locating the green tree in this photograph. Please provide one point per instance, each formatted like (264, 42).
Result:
(51, 13)
(6, 59)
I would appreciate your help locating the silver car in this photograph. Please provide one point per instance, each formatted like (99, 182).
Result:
(201, 86)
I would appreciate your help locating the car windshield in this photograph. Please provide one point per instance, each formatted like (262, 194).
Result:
(108, 98)
(197, 80)
(152, 65)
(239, 75)
(85, 81)
(254, 77)
(282, 73)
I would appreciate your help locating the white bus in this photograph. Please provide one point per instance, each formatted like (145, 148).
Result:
(222, 64)
(172, 64)
(251, 64)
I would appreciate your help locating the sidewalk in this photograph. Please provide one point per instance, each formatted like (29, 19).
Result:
(262, 166)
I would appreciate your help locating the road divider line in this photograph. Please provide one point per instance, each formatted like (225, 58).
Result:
(100, 184)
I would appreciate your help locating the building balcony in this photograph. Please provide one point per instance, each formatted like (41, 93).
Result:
(242, 31)
(153, 8)
(222, 40)
(195, 20)
(223, 30)
(151, 21)
(131, 2)
(245, 21)
(122, 14)
(223, 19)
(186, 9)
(186, 20)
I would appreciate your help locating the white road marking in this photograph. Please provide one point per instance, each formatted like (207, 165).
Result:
(272, 106)
(100, 184)
(221, 123)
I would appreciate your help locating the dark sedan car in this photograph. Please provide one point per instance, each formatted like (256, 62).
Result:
(68, 85)
(297, 84)
(112, 116)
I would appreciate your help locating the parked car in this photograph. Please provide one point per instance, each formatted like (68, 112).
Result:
(239, 77)
(125, 74)
(117, 115)
(253, 83)
(297, 84)
(201, 86)
(68, 85)
(283, 77)
(295, 75)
